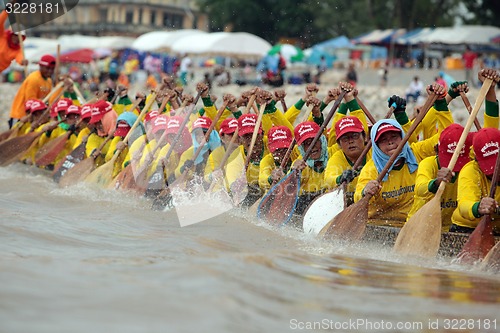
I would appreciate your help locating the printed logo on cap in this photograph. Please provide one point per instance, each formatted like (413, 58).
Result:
(346, 122)
(200, 122)
(248, 122)
(233, 123)
(95, 112)
(452, 146)
(279, 134)
(85, 110)
(486, 151)
(123, 124)
(73, 109)
(160, 121)
(306, 128)
(173, 123)
(37, 105)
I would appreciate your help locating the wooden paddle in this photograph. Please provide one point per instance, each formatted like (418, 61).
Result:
(279, 203)
(469, 109)
(73, 158)
(58, 62)
(351, 222)
(492, 260)
(421, 234)
(166, 194)
(11, 133)
(239, 188)
(220, 172)
(103, 175)
(48, 152)
(137, 179)
(81, 170)
(21, 45)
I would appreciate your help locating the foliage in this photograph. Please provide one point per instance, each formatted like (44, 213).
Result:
(313, 21)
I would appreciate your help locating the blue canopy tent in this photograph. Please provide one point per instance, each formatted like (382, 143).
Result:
(327, 49)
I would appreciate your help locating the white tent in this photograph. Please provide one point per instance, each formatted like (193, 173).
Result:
(472, 34)
(69, 42)
(223, 43)
(162, 40)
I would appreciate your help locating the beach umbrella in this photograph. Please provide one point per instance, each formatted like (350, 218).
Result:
(290, 52)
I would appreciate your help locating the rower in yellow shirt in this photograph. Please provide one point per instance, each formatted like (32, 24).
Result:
(393, 197)
(279, 139)
(474, 182)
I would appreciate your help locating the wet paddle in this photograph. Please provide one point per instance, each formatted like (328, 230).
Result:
(492, 260)
(82, 169)
(239, 188)
(167, 194)
(421, 234)
(73, 158)
(350, 224)
(316, 216)
(279, 203)
(103, 175)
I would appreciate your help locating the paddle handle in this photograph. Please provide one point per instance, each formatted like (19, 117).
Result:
(325, 123)
(494, 179)
(461, 142)
(210, 129)
(428, 103)
(79, 94)
(21, 45)
(283, 104)
(58, 62)
(181, 128)
(96, 152)
(469, 109)
(250, 103)
(367, 113)
(228, 151)
(53, 91)
(141, 115)
(254, 135)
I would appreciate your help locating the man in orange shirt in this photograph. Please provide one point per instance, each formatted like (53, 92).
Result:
(10, 48)
(36, 86)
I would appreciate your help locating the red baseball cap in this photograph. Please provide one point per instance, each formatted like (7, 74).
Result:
(73, 109)
(27, 105)
(247, 123)
(486, 143)
(386, 127)
(99, 109)
(448, 141)
(47, 60)
(306, 130)
(151, 115)
(228, 126)
(348, 124)
(160, 123)
(122, 128)
(63, 104)
(37, 105)
(279, 137)
(86, 111)
(173, 124)
(202, 122)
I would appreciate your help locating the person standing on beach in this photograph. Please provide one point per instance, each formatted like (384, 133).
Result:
(10, 49)
(36, 86)
(183, 68)
(469, 59)
(351, 76)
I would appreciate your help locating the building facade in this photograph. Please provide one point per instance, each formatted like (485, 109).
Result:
(124, 18)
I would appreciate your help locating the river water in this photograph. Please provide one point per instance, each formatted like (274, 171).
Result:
(83, 259)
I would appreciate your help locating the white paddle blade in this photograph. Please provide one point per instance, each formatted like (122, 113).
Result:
(322, 210)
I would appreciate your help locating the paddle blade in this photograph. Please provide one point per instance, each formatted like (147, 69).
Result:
(48, 152)
(77, 173)
(322, 210)
(122, 178)
(239, 189)
(103, 175)
(350, 224)
(75, 157)
(279, 203)
(492, 260)
(13, 149)
(421, 234)
(8, 134)
(156, 183)
(480, 242)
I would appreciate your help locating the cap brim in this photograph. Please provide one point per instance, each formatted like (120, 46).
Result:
(278, 144)
(305, 137)
(95, 119)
